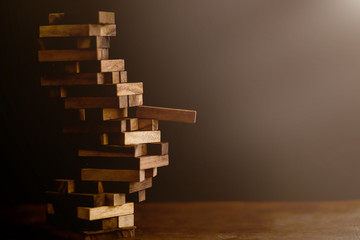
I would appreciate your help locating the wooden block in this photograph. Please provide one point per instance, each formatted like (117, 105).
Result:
(95, 66)
(166, 114)
(126, 221)
(130, 88)
(160, 148)
(106, 17)
(96, 102)
(72, 55)
(115, 199)
(56, 18)
(105, 211)
(116, 175)
(64, 185)
(135, 100)
(77, 30)
(139, 196)
(130, 138)
(127, 187)
(123, 76)
(76, 79)
(150, 173)
(136, 163)
(148, 124)
(114, 151)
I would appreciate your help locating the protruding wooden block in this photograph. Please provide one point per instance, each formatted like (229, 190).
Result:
(96, 102)
(126, 221)
(166, 114)
(130, 138)
(135, 100)
(105, 211)
(114, 151)
(116, 175)
(160, 148)
(77, 30)
(72, 55)
(148, 124)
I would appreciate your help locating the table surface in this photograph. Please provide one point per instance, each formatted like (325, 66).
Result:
(232, 220)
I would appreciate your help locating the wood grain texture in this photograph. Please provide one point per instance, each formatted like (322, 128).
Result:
(72, 55)
(126, 221)
(95, 102)
(77, 30)
(103, 90)
(104, 212)
(116, 175)
(166, 114)
(131, 138)
(135, 100)
(129, 88)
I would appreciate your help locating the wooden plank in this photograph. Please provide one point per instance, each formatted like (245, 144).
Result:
(151, 172)
(95, 66)
(126, 221)
(106, 17)
(135, 100)
(130, 138)
(104, 212)
(72, 55)
(148, 124)
(166, 114)
(129, 88)
(95, 102)
(160, 148)
(114, 151)
(116, 175)
(77, 30)
(136, 163)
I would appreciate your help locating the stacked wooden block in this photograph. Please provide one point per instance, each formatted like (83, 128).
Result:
(116, 155)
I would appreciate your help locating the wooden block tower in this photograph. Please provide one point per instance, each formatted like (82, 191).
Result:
(116, 155)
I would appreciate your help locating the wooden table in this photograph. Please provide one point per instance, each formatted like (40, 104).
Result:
(231, 220)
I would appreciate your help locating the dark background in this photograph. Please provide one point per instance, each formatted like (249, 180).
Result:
(276, 85)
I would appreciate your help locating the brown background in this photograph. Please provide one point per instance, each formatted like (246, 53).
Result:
(276, 85)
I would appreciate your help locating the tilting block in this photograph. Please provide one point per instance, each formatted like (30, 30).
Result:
(166, 114)
(72, 55)
(77, 30)
(116, 175)
(129, 138)
(105, 211)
